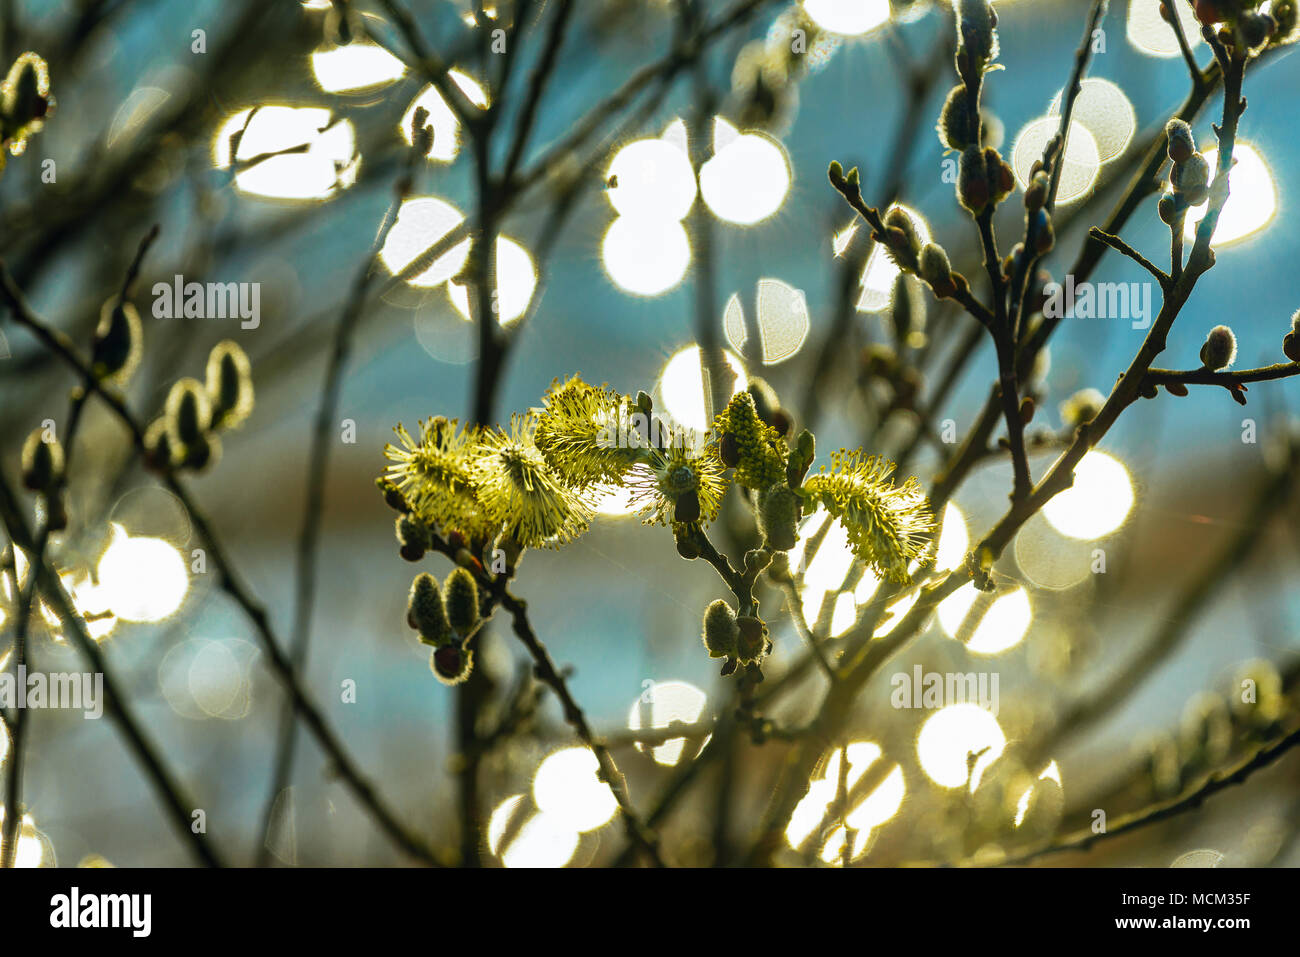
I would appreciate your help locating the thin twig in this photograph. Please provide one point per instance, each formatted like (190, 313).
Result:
(228, 580)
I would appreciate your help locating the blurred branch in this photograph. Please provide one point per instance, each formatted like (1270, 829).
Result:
(317, 471)
(1156, 813)
(228, 579)
(178, 808)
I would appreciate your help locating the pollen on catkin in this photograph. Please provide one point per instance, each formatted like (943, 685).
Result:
(1220, 348)
(518, 490)
(581, 433)
(888, 526)
(683, 485)
(434, 476)
(759, 453)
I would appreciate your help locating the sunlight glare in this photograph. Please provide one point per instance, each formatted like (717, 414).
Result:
(420, 223)
(949, 736)
(875, 809)
(747, 179)
(654, 181)
(1149, 33)
(1097, 503)
(34, 848)
(1252, 202)
(849, 18)
(355, 67)
(1082, 158)
(446, 128)
(568, 792)
(681, 384)
(1106, 112)
(516, 280)
(1001, 627)
(142, 579)
(328, 164)
(646, 257)
(670, 701)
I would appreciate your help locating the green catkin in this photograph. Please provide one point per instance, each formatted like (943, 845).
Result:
(778, 516)
(460, 596)
(954, 120)
(189, 414)
(425, 611)
(229, 384)
(116, 346)
(720, 630)
(412, 536)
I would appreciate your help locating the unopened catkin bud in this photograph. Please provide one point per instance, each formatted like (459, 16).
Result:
(1181, 144)
(42, 462)
(977, 38)
(189, 413)
(116, 346)
(1002, 179)
(902, 242)
(25, 93)
(229, 384)
(779, 510)
(936, 270)
(972, 180)
(1191, 179)
(1168, 208)
(157, 445)
(425, 611)
(452, 664)
(1036, 191)
(1044, 234)
(202, 452)
(1220, 348)
(460, 596)
(751, 641)
(685, 542)
(720, 630)
(1291, 341)
(1256, 27)
(954, 120)
(1284, 15)
(1082, 407)
(413, 538)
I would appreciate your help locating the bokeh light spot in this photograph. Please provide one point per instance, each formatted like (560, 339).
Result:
(950, 736)
(1252, 202)
(1097, 503)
